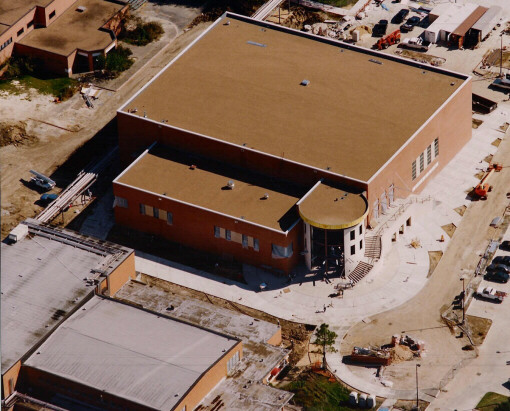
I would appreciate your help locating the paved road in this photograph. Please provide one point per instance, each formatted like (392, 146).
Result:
(421, 315)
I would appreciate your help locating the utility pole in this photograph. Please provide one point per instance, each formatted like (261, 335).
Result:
(417, 395)
(501, 56)
(463, 300)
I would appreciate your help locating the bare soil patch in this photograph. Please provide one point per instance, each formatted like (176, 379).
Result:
(496, 142)
(476, 123)
(434, 257)
(479, 328)
(460, 210)
(449, 229)
(15, 133)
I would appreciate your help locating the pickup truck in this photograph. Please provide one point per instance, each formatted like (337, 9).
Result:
(415, 43)
(491, 294)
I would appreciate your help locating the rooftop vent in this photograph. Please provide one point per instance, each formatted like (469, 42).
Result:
(266, 196)
(192, 167)
(230, 184)
(305, 82)
(375, 61)
(227, 23)
(81, 9)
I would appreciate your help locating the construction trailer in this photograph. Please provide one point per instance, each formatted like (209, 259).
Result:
(445, 19)
(484, 25)
(458, 37)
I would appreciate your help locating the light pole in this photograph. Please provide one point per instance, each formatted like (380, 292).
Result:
(463, 299)
(417, 396)
(501, 56)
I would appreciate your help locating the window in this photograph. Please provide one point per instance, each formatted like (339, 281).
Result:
(353, 235)
(52, 14)
(155, 212)
(228, 235)
(353, 249)
(30, 24)
(413, 170)
(170, 219)
(183, 408)
(361, 244)
(232, 362)
(422, 165)
(361, 230)
(245, 241)
(217, 231)
(436, 147)
(142, 209)
(20, 32)
(279, 251)
(256, 244)
(6, 44)
(429, 154)
(120, 202)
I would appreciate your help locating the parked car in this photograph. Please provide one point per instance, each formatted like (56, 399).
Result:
(380, 28)
(409, 24)
(497, 276)
(501, 259)
(400, 16)
(505, 245)
(498, 267)
(48, 198)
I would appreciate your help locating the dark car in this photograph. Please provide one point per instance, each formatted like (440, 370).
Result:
(400, 16)
(500, 259)
(380, 28)
(505, 245)
(498, 267)
(497, 276)
(48, 198)
(410, 23)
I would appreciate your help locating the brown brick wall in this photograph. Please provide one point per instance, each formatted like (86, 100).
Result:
(211, 378)
(276, 339)
(120, 276)
(11, 374)
(136, 134)
(452, 125)
(194, 227)
(52, 62)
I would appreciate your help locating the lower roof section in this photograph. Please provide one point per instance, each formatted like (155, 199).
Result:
(331, 208)
(76, 29)
(131, 353)
(214, 186)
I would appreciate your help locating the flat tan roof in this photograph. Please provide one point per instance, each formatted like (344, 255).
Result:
(76, 30)
(331, 208)
(12, 10)
(169, 173)
(241, 83)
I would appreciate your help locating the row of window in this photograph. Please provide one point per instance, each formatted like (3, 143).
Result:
(353, 232)
(232, 362)
(157, 213)
(353, 247)
(243, 239)
(420, 161)
(6, 44)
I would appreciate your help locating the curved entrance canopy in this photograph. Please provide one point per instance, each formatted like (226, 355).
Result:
(329, 208)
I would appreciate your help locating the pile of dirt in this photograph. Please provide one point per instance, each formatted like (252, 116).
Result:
(15, 133)
(300, 16)
(401, 353)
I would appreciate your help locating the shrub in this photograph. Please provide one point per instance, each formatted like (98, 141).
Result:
(118, 60)
(143, 33)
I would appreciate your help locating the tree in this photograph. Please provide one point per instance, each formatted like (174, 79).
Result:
(325, 338)
(505, 406)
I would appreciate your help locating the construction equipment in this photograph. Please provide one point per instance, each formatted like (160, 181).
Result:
(42, 181)
(483, 186)
(389, 40)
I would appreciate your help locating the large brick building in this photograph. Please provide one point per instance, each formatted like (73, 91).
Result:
(272, 145)
(66, 35)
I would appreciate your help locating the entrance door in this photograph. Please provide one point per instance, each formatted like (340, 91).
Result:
(384, 204)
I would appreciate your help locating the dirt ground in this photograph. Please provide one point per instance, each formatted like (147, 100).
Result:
(295, 336)
(49, 145)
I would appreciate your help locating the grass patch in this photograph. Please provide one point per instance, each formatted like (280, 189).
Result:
(29, 73)
(215, 8)
(116, 61)
(315, 392)
(139, 33)
(339, 3)
(493, 401)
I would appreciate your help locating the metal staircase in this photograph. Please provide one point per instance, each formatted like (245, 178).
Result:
(361, 270)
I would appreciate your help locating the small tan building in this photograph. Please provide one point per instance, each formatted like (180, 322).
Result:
(66, 35)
